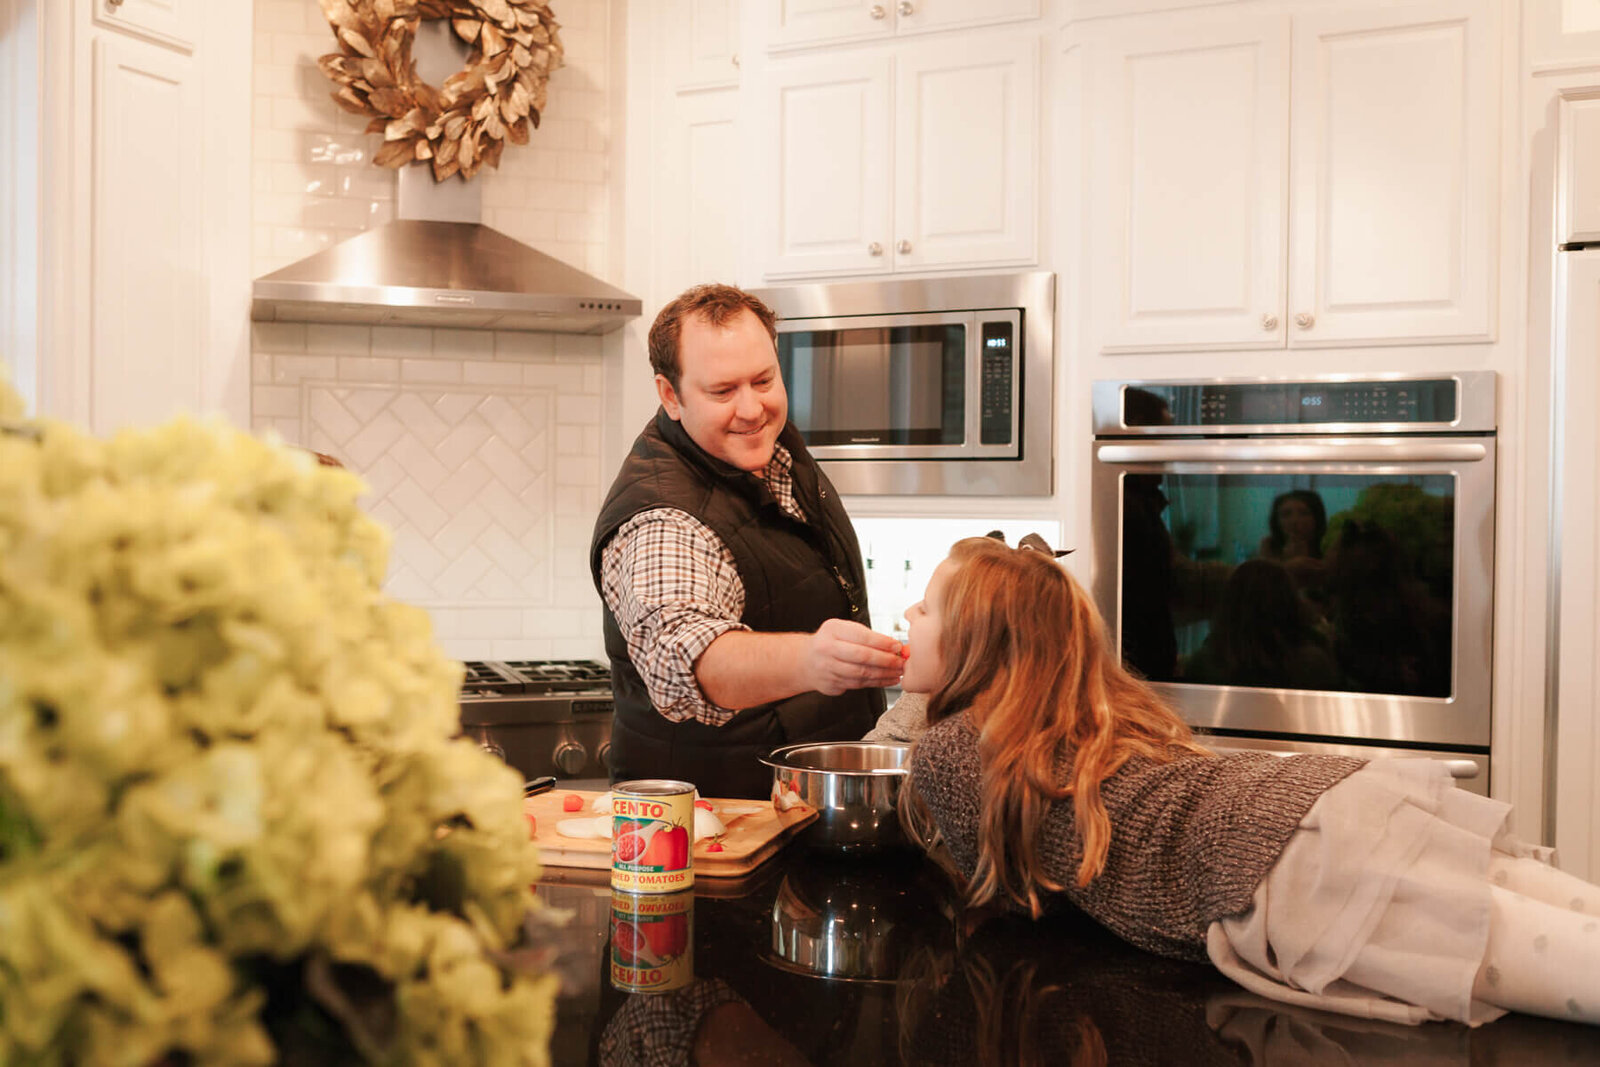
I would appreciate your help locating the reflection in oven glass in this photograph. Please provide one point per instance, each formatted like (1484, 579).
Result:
(1314, 582)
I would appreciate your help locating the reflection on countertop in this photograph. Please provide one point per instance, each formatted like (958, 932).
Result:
(814, 960)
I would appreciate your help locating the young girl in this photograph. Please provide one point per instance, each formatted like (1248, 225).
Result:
(1370, 888)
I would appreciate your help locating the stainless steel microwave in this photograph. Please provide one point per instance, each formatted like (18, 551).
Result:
(931, 386)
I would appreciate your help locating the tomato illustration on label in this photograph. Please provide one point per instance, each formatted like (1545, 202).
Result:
(669, 849)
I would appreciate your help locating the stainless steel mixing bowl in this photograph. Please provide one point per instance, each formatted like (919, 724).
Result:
(853, 785)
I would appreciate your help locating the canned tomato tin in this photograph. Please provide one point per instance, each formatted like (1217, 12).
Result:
(652, 831)
(652, 941)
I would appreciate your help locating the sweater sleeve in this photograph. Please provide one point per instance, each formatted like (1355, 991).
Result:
(946, 774)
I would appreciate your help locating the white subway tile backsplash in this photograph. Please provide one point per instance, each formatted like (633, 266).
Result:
(402, 342)
(430, 370)
(369, 369)
(523, 346)
(327, 339)
(475, 373)
(276, 401)
(293, 369)
(463, 344)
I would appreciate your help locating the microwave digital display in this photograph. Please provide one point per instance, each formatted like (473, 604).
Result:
(879, 385)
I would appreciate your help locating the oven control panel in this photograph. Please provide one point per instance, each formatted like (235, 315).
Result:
(1216, 404)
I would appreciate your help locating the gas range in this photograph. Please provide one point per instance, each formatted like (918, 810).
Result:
(541, 716)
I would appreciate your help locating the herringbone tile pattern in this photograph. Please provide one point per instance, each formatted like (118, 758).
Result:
(462, 477)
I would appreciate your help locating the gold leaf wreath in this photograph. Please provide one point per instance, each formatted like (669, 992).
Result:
(465, 122)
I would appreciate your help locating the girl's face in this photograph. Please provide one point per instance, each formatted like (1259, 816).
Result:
(924, 669)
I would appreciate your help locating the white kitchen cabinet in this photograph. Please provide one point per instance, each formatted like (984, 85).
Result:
(145, 236)
(143, 212)
(946, 177)
(704, 36)
(1191, 157)
(1326, 179)
(1563, 34)
(803, 23)
(175, 23)
(1578, 184)
(699, 194)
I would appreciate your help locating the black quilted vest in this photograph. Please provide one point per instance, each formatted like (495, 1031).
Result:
(796, 575)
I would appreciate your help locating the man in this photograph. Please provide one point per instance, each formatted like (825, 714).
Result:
(735, 602)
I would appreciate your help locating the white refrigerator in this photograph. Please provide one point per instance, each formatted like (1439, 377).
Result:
(1573, 748)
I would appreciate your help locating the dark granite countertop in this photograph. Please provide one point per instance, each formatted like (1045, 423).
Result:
(870, 962)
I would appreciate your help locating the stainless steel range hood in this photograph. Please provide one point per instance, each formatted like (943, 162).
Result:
(437, 265)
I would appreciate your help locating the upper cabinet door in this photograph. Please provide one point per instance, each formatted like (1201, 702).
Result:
(801, 22)
(966, 117)
(913, 16)
(1578, 169)
(826, 167)
(1190, 172)
(148, 273)
(704, 36)
(170, 22)
(700, 192)
(1393, 175)
(1563, 33)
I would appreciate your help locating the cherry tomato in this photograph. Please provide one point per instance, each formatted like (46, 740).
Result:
(572, 802)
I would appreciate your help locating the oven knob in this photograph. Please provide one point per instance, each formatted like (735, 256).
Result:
(570, 757)
(604, 755)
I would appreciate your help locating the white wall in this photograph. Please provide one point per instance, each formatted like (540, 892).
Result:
(483, 450)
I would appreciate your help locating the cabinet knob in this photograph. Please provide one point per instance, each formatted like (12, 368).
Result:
(1305, 320)
(735, 58)
(905, 7)
(874, 249)
(903, 247)
(1269, 322)
(877, 11)
(113, 3)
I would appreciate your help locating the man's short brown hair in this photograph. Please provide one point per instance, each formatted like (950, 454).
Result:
(717, 305)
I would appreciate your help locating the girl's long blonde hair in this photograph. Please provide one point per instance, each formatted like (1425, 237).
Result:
(1026, 655)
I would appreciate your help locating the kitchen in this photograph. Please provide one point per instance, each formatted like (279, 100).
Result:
(1105, 141)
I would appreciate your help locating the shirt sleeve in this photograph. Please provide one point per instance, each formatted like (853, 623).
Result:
(673, 588)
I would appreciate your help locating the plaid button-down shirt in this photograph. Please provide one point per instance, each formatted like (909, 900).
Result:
(673, 587)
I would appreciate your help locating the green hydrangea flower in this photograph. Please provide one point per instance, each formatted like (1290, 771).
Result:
(235, 814)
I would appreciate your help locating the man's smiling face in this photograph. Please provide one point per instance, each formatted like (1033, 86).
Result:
(730, 397)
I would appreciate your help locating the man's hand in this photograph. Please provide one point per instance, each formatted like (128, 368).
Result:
(844, 655)
(741, 669)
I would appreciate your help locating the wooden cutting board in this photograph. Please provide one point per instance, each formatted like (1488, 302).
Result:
(756, 831)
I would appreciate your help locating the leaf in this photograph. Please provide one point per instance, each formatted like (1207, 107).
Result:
(378, 73)
(393, 154)
(396, 129)
(492, 40)
(351, 102)
(376, 125)
(491, 155)
(357, 43)
(392, 102)
(518, 131)
(497, 10)
(466, 29)
(442, 170)
(424, 150)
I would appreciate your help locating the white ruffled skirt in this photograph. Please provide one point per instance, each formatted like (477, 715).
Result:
(1379, 906)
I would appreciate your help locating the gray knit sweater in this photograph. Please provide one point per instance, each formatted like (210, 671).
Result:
(1190, 839)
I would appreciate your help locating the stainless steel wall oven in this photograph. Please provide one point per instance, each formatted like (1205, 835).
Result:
(938, 385)
(1305, 565)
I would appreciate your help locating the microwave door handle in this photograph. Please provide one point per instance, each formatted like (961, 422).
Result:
(1370, 451)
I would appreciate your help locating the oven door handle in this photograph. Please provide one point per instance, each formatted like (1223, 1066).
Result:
(1363, 451)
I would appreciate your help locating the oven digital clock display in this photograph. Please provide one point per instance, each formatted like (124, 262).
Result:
(1432, 400)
